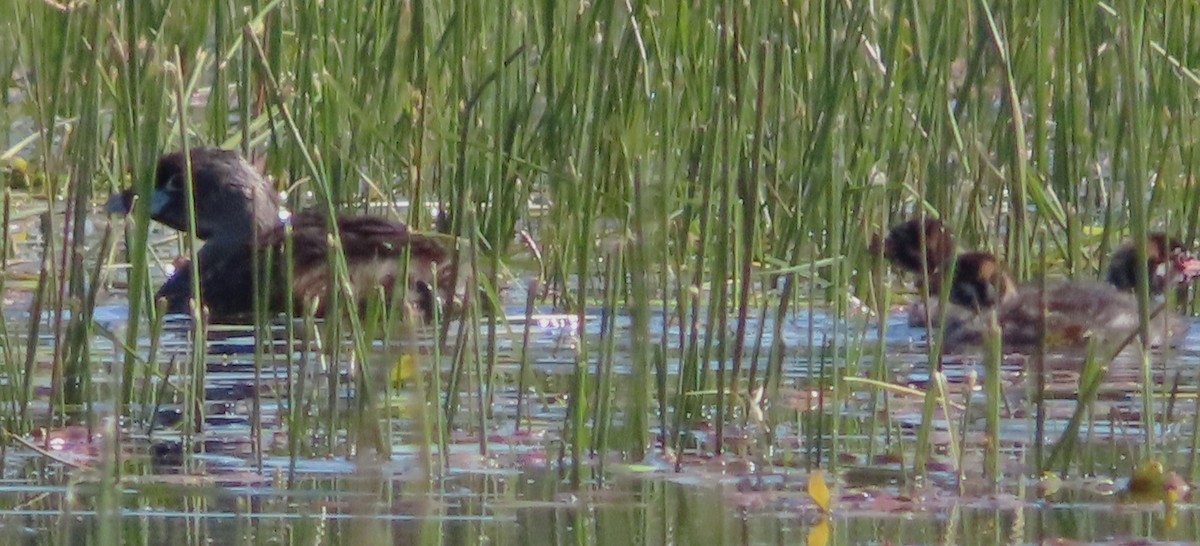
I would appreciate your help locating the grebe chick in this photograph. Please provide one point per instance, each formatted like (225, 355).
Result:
(902, 247)
(1166, 261)
(1075, 312)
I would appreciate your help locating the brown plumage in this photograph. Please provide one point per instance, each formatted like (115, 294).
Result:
(980, 282)
(902, 247)
(238, 217)
(1163, 256)
(1075, 311)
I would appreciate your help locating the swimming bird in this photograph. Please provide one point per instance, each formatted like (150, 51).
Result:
(1075, 310)
(902, 247)
(239, 217)
(1166, 262)
(1074, 313)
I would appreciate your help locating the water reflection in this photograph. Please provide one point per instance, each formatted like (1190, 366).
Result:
(243, 484)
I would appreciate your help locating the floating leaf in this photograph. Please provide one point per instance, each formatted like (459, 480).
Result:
(1152, 483)
(641, 468)
(403, 371)
(1146, 484)
(18, 174)
(1049, 484)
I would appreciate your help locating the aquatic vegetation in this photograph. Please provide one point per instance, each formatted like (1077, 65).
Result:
(674, 305)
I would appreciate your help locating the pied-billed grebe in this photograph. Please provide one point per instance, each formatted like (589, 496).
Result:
(902, 247)
(237, 215)
(1166, 261)
(1075, 311)
(979, 283)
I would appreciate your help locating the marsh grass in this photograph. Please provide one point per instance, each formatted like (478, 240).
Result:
(705, 164)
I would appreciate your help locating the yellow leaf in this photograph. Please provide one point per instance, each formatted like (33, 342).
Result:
(818, 490)
(819, 534)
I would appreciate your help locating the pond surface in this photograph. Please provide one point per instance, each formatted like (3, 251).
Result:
(251, 477)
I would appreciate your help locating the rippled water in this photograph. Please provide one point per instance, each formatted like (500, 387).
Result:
(244, 486)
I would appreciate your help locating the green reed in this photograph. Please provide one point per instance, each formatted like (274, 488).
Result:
(1037, 391)
(934, 327)
(1132, 39)
(604, 392)
(17, 392)
(703, 151)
